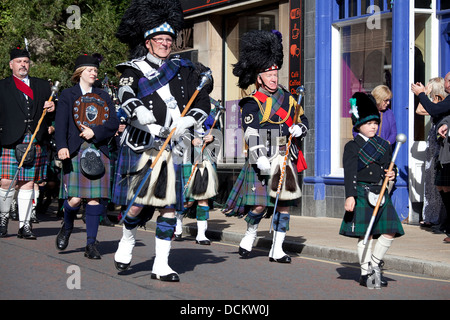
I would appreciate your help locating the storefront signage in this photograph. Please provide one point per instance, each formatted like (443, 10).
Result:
(295, 45)
(196, 6)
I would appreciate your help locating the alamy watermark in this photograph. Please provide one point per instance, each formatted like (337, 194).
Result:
(374, 21)
(74, 280)
(74, 21)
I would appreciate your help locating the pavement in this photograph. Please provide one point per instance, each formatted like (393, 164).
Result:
(419, 251)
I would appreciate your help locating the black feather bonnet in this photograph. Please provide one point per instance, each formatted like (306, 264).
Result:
(146, 18)
(260, 51)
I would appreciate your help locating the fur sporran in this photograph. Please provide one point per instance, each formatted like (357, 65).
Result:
(290, 188)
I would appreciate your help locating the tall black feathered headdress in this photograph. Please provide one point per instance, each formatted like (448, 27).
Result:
(146, 18)
(260, 51)
(363, 108)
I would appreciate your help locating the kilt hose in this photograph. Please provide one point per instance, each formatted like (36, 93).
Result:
(75, 184)
(36, 171)
(355, 224)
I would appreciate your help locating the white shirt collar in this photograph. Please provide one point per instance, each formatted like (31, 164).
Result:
(82, 90)
(363, 136)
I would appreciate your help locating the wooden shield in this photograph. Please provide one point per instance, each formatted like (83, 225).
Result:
(90, 110)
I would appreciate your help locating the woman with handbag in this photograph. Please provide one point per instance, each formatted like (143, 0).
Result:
(84, 125)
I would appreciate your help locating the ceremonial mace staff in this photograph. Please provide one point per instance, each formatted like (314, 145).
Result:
(206, 78)
(300, 91)
(401, 138)
(54, 90)
(219, 112)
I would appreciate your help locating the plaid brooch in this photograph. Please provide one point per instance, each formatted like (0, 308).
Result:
(372, 151)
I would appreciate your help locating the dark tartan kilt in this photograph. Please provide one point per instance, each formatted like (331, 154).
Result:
(442, 177)
(75, 184)
(250, 189)
(126, 163)
(355, 223)
(34, 172)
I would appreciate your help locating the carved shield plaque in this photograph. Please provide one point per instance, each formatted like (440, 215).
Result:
(90, 110)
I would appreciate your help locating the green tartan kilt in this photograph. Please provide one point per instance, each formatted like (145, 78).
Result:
(250, 189)
(75, 184)
(355, 223)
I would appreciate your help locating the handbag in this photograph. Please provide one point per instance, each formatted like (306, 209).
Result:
(20, 151)
(91, 164)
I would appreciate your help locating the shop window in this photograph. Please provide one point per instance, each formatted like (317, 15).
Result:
(365, 62)
(236, 26)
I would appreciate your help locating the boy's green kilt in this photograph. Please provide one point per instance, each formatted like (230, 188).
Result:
(355, 223)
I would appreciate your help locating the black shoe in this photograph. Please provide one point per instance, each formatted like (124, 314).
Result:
(106, 222)
(284, 259)
(171, 277)
(177, 237)
(243, 253)
(26, 233)
(203, 242)
(366, 281)
(121, 266)
(91, 252)
(62, 239)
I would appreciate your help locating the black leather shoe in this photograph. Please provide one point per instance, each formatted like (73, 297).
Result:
(26, 233)
(91, 252)
(284, 259)
(243, 253)
(171, 277)
(62, 239)
(203, 242)
(177, 237)
(121, 266)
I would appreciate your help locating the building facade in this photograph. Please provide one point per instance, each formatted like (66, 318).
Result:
(334, 48)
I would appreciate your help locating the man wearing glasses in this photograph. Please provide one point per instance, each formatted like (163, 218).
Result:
(154, 89)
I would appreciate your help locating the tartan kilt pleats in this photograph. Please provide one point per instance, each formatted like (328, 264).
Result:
(37, 171)
(75, 184)
(355, 224)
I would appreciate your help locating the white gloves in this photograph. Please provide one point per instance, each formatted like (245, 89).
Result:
(296, 130)
(144, 116)
(181, 125)
(263, 163)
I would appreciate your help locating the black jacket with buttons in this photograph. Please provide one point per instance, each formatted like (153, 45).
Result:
(371, 174)
(15, 111)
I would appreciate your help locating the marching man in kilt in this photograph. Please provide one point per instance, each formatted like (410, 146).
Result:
(268, 121)
(154, 90)
(22, 103)
(199, 176)
(366, 159)
(82, 145)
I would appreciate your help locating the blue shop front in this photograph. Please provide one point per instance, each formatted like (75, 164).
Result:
(358, 46)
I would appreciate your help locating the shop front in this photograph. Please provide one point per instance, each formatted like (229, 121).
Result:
(360, 45)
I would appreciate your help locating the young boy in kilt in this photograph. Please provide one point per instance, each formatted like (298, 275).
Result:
(366, 159)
